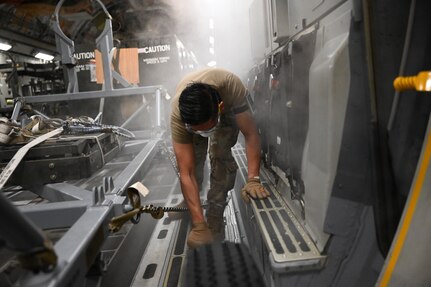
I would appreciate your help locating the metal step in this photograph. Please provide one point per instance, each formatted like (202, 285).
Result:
(289, 246)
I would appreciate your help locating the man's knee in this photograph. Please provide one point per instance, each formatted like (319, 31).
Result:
(223, 173)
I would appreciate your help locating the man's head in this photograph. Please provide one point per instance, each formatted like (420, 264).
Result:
(200, 109)
(199, 103)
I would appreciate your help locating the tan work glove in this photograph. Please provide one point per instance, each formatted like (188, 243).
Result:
(199, 235)
(253, 189)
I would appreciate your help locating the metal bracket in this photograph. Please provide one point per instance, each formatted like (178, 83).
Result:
(66, 48)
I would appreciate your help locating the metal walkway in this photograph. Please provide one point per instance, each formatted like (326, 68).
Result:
(287, 243)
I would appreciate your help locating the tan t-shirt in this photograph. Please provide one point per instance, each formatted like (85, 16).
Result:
(232, 92)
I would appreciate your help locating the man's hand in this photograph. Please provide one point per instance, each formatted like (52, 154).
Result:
(199, 235)
(253, 189)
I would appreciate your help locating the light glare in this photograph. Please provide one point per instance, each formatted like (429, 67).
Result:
(212, 64)
(44, 56)
(5, 47)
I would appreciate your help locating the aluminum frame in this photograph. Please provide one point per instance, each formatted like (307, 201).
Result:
(87, 214)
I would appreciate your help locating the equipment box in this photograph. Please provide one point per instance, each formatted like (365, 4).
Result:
(59, 160)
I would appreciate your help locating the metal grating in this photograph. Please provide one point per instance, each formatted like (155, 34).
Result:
(289, 245)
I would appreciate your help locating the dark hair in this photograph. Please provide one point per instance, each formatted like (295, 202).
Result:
(198, 103)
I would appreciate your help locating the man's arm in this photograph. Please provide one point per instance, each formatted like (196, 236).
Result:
(189, 187)
(247, 126)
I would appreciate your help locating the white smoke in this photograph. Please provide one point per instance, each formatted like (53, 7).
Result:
(217, 31)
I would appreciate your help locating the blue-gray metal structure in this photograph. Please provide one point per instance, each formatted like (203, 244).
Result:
(84, 208)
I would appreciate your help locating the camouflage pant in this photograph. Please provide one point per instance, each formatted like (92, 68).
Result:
(223, 167)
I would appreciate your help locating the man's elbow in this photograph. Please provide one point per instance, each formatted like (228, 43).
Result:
(252, 136)
(186, 176)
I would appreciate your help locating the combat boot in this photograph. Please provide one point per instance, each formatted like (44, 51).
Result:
(216, 221)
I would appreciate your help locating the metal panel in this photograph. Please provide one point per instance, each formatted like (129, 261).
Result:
(260, 29)
(304, 13)
(329, 88)
(279, 20)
